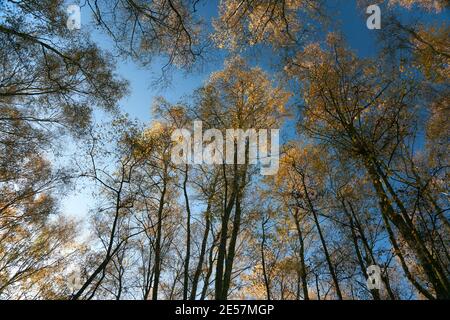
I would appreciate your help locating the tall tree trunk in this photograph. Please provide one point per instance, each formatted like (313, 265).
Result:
(263, 259)
(403, 263)
(370, 258)
(231, 249)
(302, 270)
(432, 268)
(157, 248)
(236, 227)
(228, 207)
(188, 237)
(148, 278)
(374, 292)
(201, 257)
(109, 251)
(322, 239)
(210, 269)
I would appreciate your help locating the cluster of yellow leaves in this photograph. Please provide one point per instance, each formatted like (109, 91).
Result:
(34, 253)
(154, 130)
(296, 162)
(252, 22)
(432, 52)
(175, 33)
(150, 140)
(314, 66)
(430, 5)
(282, 271)
(248, 98)
(346, 98)
(437, 130)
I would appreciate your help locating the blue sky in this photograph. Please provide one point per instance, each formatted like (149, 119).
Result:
(352, 22)
(142, 92)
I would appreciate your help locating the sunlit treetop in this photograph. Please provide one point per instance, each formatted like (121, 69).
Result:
(252, 22)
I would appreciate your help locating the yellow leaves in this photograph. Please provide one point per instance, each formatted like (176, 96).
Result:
(300, 162)
(253, 22)
(151, 140)
(156, 128)
(271, 22)
(430, 5)
(284, 270)
(432, 52)
(245, 96)
(437, 131)
(439, 123)
(333, 38)
(35, 252)
(40, 206)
